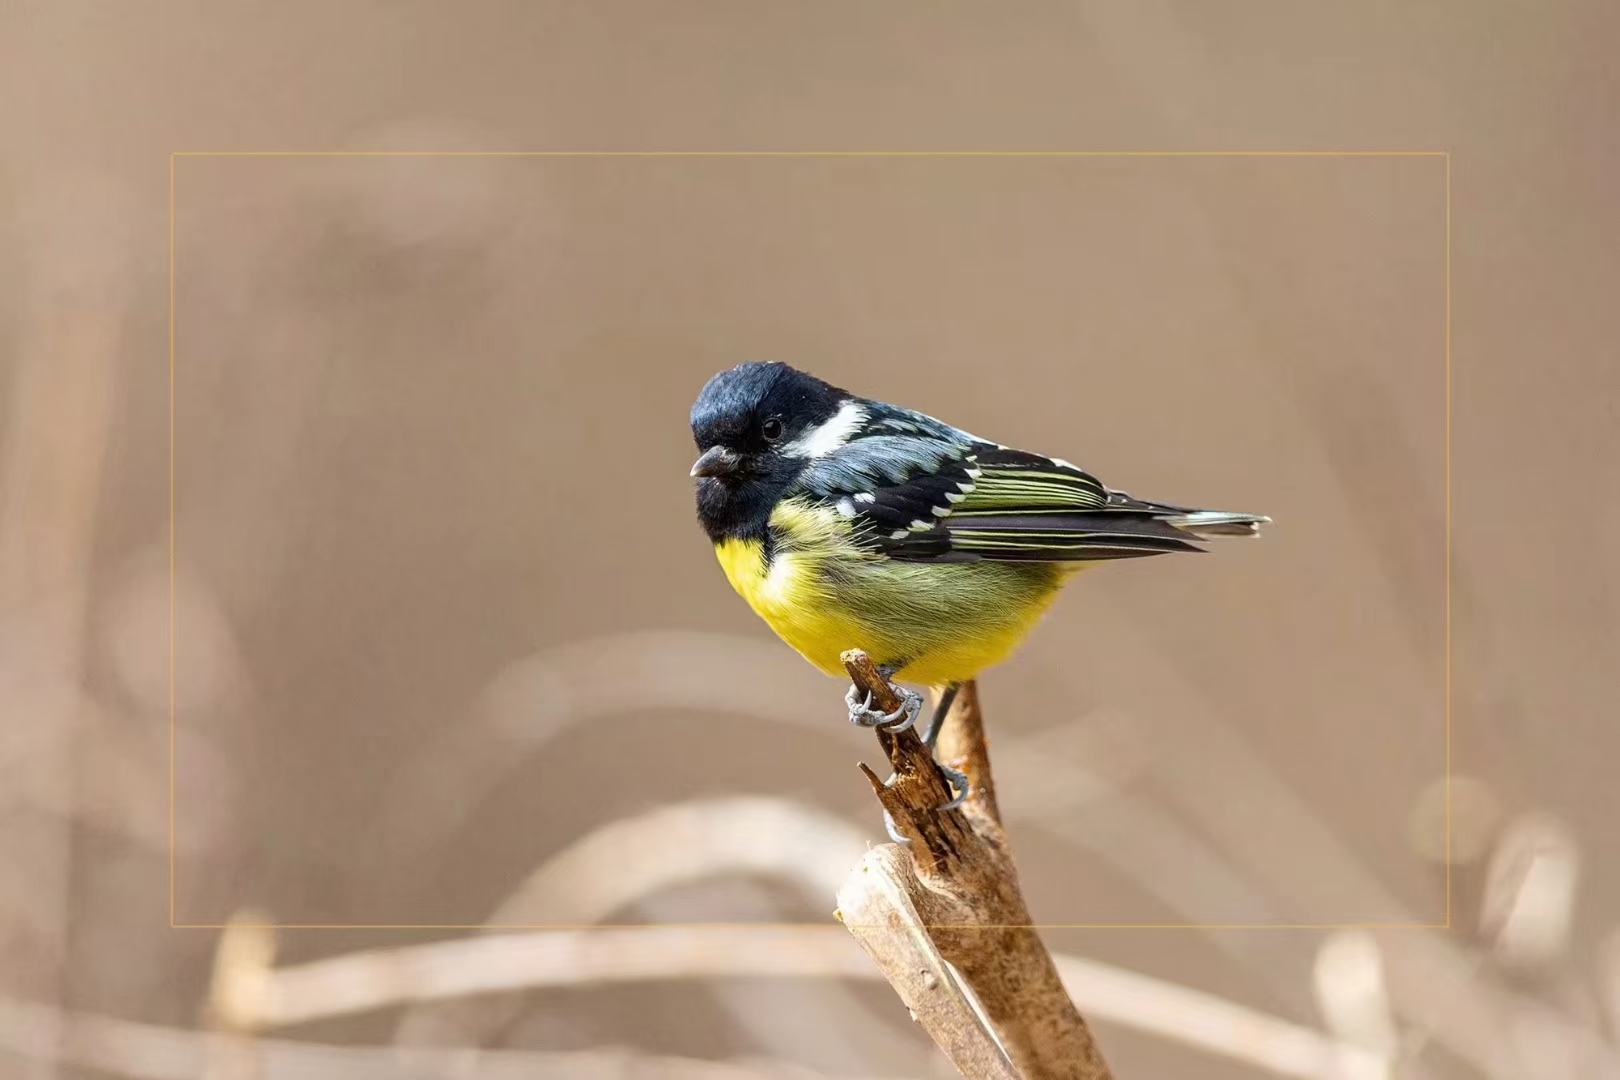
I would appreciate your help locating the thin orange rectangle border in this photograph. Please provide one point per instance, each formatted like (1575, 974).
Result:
(1446, 154)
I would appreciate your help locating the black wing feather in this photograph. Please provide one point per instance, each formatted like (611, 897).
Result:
(919, 490)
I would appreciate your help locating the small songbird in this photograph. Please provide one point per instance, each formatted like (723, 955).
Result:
(848, 523)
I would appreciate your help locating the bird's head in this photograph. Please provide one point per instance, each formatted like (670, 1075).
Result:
(756, 426)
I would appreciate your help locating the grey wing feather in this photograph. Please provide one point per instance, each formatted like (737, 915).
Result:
(918, 489)
(876, 460)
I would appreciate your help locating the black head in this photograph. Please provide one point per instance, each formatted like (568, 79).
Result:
(751, 425)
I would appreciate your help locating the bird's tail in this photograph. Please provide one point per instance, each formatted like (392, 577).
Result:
(1209, 524)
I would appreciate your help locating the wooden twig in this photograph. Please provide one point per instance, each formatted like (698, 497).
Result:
(961, 894)
(882, 917)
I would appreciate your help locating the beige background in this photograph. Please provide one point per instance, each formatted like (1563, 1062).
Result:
(441, 608)
(486, 459)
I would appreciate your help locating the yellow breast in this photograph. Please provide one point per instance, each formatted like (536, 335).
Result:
(791, 593)
(940, 623)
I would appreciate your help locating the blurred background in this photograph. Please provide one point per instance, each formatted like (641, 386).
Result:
(449, 651)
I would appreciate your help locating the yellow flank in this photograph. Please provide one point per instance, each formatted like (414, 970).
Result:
(942, 622)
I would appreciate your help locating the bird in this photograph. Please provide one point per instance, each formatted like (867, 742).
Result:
(846, 522)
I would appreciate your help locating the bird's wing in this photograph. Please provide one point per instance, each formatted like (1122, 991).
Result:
(919, 490)
(895, 477)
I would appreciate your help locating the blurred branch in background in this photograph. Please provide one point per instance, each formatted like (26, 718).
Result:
(261, 998)
(1073, 779)
(631, 859)
(628, 864)
(257, 996)
(61, 386)
(52, 1039)
(1411, 985)
(1087, 766)
(1425, 993)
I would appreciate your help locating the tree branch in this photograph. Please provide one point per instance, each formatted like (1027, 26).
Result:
(954, 887)
(882, 918)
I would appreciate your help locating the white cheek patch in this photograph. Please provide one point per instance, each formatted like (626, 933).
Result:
(829, 436)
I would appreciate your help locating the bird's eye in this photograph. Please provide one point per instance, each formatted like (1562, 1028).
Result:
(771, 429)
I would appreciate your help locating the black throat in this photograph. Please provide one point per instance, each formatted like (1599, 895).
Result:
(739, 507)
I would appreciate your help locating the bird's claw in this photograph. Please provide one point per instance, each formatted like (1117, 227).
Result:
(862, 713)
(958, 782)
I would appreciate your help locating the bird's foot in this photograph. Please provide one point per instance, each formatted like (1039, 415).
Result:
(958, 783)
(862, 713)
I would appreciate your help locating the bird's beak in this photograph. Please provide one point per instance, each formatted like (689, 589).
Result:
(717, 461)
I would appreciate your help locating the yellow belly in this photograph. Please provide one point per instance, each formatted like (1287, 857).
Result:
(784, 596)
(939, 623)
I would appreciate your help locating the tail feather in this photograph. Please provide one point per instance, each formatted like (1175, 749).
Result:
(1208, 524)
